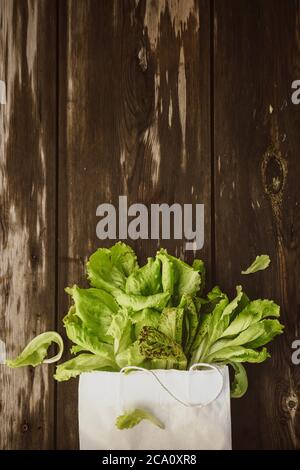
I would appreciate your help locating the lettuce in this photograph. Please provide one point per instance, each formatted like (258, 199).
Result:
(131, 356)
(86, 363)
(178, 277)
(145, 317)
(146, 280)
(36, 351)
(108, 268)
(156, 345)
(171, 322)
(84, 338)
(259, 264)
(190, 320)
(157, 316)
(95, 308)
(132, 418)
(240, 381)
(121, 330)
(139, 302)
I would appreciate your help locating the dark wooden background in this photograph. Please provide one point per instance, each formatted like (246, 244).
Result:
(162, 100)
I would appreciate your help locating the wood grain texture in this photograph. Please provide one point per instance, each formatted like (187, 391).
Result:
(257, 173)
(27, 190)
(135, 121)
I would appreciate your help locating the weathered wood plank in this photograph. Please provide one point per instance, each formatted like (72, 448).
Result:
(135, 121)
(257, 175)
(27, 217)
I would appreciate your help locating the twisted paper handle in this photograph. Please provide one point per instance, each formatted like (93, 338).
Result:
(193, 367)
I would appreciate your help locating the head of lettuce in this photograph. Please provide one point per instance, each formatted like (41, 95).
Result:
(156, 316)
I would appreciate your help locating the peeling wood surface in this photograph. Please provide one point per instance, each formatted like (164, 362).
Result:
(135, 121)
(128, 89)
(27, 184)
(257, 200)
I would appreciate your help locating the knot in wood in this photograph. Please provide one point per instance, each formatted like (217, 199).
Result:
(142, 57)
(274, 175)
(25, 427)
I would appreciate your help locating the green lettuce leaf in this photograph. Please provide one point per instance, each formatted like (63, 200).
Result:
(145, 317)
(269, 330)
(218, 321)
(95, 308)
(185, 279)
(259, 264)
(254, 336)
(75, 349)
(237, 354)
(140, 302)
(200, 343)
(86, 363)
(121, 330)
(215, 294)
(146, 280)
(108, 268)
(130, 356)
(222, 315)
(252, 313)
(83, 337)
(240, 381)
(156, 345)
(207, 307)
(198, 265)
(131, 418)
(168, 274)
(36, 351)
(190, 322)
(171, 322)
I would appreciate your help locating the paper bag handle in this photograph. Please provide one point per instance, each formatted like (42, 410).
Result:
(193, 367)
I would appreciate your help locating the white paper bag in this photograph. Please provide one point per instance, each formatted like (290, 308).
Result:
(194, 407)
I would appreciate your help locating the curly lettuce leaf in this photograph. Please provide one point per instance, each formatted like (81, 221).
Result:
(198, 265)
(95, 308)
(239, 384)
(259, 264)
(190, 321)
(200, 342)
(140, 302)
(145, 317)
(131, 418)
(121, 330)
(130, 356)
(269, 330)
(215, 294)
(75, 349)
(237, 354)
(253, 337)
(171, 323)
(222, 314)
(209, 308)
(84, 338)
(86, 363)
(36, 351)
(156, 345)
(252, 313)
(167, 273)
(145, 280)
(108, 268)
(178, 277)
(217, 321)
